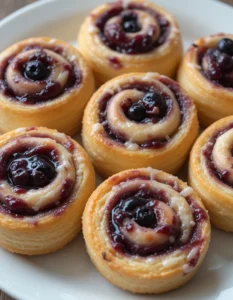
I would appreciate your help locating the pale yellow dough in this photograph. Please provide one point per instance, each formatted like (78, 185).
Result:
(109, 156)
(216, 195)
(213, 102)
(63, 113)
(47, 232)
(153, 273)
(164, 59)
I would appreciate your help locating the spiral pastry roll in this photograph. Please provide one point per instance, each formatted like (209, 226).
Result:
(45, 181)
(139, 120)
(146, 231)
(43, 82)
(206, 73)
(130, 36)
(211, 173)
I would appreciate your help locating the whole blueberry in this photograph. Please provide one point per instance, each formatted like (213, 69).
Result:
(226, 46)
(225, 61)
(136, 112)
(35, 70)
(130, 23)
(19, 176)
(145, 217)
(154, 99)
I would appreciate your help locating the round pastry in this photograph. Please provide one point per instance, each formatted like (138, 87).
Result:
(139, 120)
(45, 181)
(130, 36)
(206, 74)
(43, 82)
(211, 173)
(146, 231)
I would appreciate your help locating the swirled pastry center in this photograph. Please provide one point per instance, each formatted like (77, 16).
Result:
(218, 155)
(132, 30)
(38, 74)
(39, 169)
(144, 114)
(147, 217)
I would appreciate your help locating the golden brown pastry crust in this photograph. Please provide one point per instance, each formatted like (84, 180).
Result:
(48, 231)
(63, 113)
(148, 273)
(110, 156)
(213, 101)
(210, 172)
(107, 63)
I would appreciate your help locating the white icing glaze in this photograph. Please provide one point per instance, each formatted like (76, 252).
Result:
(73, 58)
(149, 76)
(96, 128)
(52, 41)
(186, 192)
(131, 146)
(192, 223)
(168, 262)
(193, 253)
(187, 268)
(193, 65)
(93, 29)
(185, 215)
(20, 130)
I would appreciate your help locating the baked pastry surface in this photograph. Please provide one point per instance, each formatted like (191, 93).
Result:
(210, 172)
(206, 73)
(45, 181)
(43, 82)
(139, 120)
(130, 36)
(146, 231)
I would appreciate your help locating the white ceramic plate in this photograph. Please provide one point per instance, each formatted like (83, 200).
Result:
(69, 274)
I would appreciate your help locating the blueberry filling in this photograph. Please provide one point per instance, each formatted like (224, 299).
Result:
(35, 70)
(38, 67)
(151, 107)
(114, 36)
(217, 62)
(145, 217)
(155, 99)
(130, 23)
(140, 207)
(30, 172)
(151, 97)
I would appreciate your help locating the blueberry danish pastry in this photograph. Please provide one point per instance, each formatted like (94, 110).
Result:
(211, 173)
(206, 74)
(139, 120)
(130, 36)
(43, 82)
(146, 231)
(45, 181)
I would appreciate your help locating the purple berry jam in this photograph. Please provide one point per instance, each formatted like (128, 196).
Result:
(217, 63)
(222, 176)
(144, 110)
(30, 172)
(37, 69)
(140, 206)
(115, 36)
(130, 22)
(30, 168)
